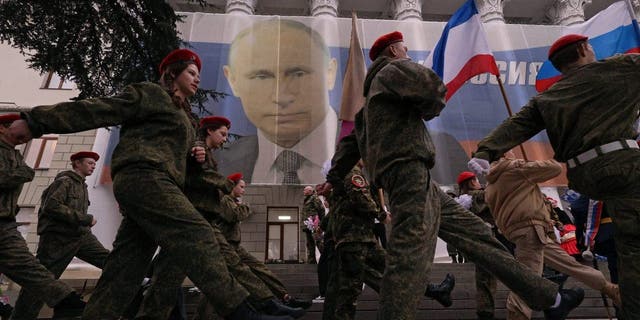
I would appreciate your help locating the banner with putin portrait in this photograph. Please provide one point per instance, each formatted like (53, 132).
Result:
(283, 77)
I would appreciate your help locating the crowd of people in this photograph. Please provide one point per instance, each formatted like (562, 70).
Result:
(172, 197)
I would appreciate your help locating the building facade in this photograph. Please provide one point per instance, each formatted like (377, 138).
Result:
(273, 232)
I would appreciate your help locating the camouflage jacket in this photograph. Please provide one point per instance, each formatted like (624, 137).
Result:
(312, 206)
(390, 130)
(155, 134)
(590, 106)
(480, 208)
(231, 214)
(13, 174)
(355, 210)
(203, 186)
(63, 206)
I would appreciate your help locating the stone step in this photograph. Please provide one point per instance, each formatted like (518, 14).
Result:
(301, 281)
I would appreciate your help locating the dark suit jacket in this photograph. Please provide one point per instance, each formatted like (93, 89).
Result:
(241, 156)
(238, 156)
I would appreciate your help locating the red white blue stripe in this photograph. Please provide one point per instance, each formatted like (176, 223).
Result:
(612, 31)
(462, 51)
(594, 213)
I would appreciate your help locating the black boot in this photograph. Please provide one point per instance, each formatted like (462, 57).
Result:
(484, 315)
(442, 292)
(70, 307)
(5, 310)
(558, 279)
(245, 312)
(275, 308)
(570, 299)
(298, 303)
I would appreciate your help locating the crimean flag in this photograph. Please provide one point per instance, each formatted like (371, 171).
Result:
(353, 85)
(612, 31)
(462, 51)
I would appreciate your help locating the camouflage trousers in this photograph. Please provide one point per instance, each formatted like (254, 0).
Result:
(615, 178)
(207, 312)
(415, 209)
(358, 263)
(157, 213)
(19, 265)
(485, 292)
(55, 252)
(168, 276)
(311, 247)
(258, 268)
(331, 291)
(475, 240)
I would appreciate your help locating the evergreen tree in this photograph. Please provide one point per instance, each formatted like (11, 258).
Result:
(100, 45)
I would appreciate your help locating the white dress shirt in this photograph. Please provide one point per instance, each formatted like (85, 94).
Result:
(316, 148)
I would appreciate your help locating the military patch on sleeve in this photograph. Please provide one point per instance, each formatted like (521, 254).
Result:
(358, 181)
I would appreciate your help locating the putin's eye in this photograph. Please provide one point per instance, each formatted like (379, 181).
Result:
(297, 72)
(261, 75)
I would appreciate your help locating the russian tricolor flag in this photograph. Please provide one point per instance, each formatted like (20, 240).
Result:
(611, 31)
(462, 51)
(594, 213)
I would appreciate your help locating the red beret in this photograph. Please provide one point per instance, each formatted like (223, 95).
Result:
(10, 117)
(85, 154)
(212, 120)
(383, 42)
(235, 177)
(464, 176)
(178, 55)
(565, 41)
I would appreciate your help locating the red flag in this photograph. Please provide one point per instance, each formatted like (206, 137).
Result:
(352, 87)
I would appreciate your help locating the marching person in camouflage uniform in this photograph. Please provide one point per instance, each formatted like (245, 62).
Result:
(64, 227)
(359, 255)
(360, 258)
(149, 169)
(471, 197)
(233, 211)
(204, 188)
(16, 262)
(417, 202)
(398, 152)
(312, 207)
(590, 116)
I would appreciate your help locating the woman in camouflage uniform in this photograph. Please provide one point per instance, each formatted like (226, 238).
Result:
(148, 168)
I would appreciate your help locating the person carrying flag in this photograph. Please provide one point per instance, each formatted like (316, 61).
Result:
(400, 94)
(590, 117)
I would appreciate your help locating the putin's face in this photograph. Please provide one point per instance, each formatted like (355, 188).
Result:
(282, 78)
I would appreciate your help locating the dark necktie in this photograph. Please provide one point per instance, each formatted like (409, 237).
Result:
(288, 162)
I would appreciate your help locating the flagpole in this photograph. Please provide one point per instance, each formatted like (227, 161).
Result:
(633, 16)
(506, 102)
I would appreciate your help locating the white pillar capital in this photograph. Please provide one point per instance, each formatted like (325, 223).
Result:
(407, 9)
(241, 7)
(324, 8)
(567, 12)
(636, 7)
(491, 11)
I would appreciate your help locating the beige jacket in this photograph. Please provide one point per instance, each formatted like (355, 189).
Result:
(513, 194)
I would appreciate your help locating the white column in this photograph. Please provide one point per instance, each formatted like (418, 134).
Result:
(241, 7)
(324, 8)
(407, 9)
(491, 11)
(567, 12)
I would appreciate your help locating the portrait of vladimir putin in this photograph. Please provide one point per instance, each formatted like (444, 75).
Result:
(281, 71)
